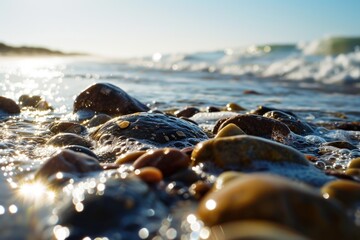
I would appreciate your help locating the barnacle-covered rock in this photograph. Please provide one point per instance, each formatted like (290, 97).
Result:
(147, 131)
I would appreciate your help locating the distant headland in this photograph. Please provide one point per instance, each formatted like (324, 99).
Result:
(7, 50)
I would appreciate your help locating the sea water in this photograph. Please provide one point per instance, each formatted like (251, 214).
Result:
(316, 81)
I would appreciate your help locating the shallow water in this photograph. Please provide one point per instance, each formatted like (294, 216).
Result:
(319, 89)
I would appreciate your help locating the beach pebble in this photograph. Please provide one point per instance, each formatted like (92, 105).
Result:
(211, 109)
(9, 106)
(66, 127)
(296, 125)
(230, 130)
(340, 144)
(233, 107)
(240, 152)
(98, 120)
(187, 112)
(67, 161)
(65, 139)
(167, 160)
(261, 110)
(129, 157)
(34, 101)
(345, 191)
(257, 126)
(109, 99)
(117, 209)
(81, 149)
(354, 163)
(147, 130)
(278, 200)
(149, 174)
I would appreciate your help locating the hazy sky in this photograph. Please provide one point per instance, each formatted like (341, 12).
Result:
(141, 27)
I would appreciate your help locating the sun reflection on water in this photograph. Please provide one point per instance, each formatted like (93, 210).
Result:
(36, 192)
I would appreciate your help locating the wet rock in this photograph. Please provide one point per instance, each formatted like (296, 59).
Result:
(199, 189)
(65, 139)
(277, 200)
(230, 130)
(115, 209)
(233, 107)
(185, 175)
(81, 149)
(129, 157)
(147, 130)
(7, 105)
(212, 109)
(257, 126)
(296, 125)
(34, 101)
(67, 161)
(109, 99)
(66, 127)
(354, 163)
(187, 112)
(349, 126)
(149, 174)
(240, 152)
(255, 230)
(261, 110)
(345, 191)
(167, 160)
(251, 92)
(98, 120)
(340, 144)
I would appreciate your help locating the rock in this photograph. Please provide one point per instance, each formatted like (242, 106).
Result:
(251, 92)
(240, 152)
(98, 120)
(253, 230)
(345, 191)
(187, 112)
(349, 126)
(109, 99)
(35, 101)
(117, 209)
(7, 105)
(65, 139)
(81, 149)
(233, 107)
(261, 110)
(129, 157)
(280, 201)
(211, 109)
(149, 174)
(354, 163)
(167, 160)
(257, 126)
(147, 131)
(66, 127)
(67, 161)
(230, 130)
(295, 125)
(340, 144)
(252, 154)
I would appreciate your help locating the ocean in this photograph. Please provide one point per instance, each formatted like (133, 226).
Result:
(319, 81)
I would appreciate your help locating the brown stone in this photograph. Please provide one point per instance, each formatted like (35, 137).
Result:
(277, 200)
(258, 126)
(240, 152)
(9, 106)
(230, 130)
(345, 191)
(66, 127)
(187, 112)
(65, 139)
(167, 160)
(67, 161)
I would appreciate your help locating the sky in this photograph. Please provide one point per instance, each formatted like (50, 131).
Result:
(125, 28)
